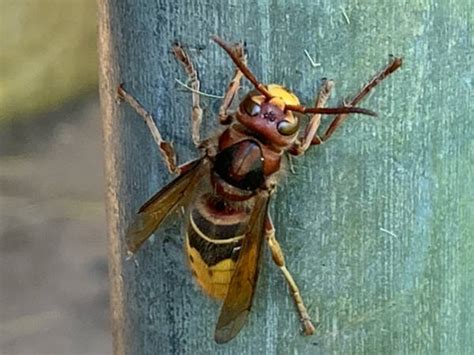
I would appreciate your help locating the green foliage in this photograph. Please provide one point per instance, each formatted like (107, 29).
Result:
(47, 54)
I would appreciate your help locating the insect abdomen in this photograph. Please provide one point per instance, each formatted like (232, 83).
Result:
(214, 233)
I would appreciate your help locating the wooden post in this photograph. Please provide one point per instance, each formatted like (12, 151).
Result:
(376, 224)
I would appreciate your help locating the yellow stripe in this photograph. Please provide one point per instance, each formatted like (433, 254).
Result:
(213, 280)
(215, 241)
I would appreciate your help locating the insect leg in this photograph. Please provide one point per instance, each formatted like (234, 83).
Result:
(279, 259)
(339, 119)
(311, 129)
(166, 148)
(232, 88)
(196, 115)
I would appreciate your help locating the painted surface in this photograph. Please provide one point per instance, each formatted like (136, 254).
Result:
(376, 224)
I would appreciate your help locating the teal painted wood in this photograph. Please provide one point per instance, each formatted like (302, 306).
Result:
(376, 224)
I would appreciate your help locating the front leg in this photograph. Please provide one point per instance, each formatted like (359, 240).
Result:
(166, 149)
(279, 259)
(339, 119)
(301, 146)
(232, 88)
(196, 117)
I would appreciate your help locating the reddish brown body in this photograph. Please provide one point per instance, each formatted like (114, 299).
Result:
(227, 219)
(271, 157)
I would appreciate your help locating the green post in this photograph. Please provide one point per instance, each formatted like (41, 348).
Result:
(376, 224)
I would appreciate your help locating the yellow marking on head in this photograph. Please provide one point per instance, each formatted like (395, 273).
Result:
(278, 102)
(258, 99)
(278, 91)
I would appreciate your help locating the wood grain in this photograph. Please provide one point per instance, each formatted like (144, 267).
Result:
(376, 224)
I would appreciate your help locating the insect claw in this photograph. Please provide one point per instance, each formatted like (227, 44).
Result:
(309, 328)
(129, 255)
(120, 93)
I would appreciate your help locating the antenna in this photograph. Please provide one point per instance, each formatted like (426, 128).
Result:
(298, 108)
(243, 68)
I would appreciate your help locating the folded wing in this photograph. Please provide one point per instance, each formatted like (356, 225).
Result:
(174, 195)
(239, 297)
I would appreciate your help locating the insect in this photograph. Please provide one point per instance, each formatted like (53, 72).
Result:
(226, 192)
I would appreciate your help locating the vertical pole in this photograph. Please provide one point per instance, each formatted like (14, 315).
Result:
(375, 224)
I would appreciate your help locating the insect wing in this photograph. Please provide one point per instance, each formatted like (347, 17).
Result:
(239, 297)
(177, 193)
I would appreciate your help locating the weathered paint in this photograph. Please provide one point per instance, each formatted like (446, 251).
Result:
(376, 224)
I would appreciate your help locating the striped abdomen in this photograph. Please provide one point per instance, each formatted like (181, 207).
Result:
(214, 233)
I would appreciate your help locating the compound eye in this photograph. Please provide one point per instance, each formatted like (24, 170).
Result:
(250, 107)
(287, 128)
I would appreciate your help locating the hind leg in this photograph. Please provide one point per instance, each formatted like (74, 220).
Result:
(279, 259)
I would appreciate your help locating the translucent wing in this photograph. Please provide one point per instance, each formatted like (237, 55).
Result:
(177, 193)
(239, 297)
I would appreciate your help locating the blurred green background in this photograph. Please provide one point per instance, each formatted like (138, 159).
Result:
(47, 54)
(53, 278)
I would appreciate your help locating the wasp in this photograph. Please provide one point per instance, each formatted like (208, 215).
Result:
(225, 194)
